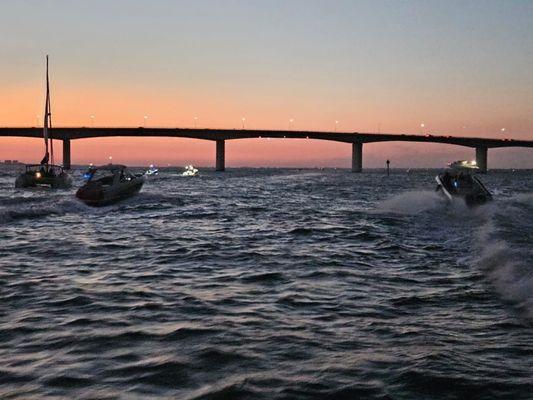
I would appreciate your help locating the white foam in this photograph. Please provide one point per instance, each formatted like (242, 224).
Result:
(410, 203)
(508, 267)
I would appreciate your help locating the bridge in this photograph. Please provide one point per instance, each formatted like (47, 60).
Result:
(220, 136)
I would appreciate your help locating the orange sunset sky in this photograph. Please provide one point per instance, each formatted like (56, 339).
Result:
(460, 68)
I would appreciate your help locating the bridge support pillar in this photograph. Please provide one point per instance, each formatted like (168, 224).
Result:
(481, 159)
(66, 153)
(357, 157)
(221, 155)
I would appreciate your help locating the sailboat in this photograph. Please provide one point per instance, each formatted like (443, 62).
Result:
(45, 173)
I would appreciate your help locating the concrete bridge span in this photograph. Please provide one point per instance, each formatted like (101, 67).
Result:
(220, 136)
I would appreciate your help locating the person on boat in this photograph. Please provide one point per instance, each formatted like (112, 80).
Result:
(45, 159)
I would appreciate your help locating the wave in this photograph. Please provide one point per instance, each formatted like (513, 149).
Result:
(501, 242)
(30, 207)
(148, 198)
(410, 203)
(32, 210)
(504, 252)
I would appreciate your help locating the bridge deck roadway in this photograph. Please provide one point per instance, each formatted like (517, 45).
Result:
(221, 135)
(230, 134)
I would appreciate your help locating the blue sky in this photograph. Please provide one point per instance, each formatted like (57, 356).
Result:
(390, 64)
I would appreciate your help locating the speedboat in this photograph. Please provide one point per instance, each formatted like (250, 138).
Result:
(152, 170)
(48, 175)
(109, 184)
(190, 171)
(87, 175)
(459, 181)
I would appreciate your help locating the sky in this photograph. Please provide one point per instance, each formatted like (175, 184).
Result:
(459, 67)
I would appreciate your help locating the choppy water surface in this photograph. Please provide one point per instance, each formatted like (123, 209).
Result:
(269, 284)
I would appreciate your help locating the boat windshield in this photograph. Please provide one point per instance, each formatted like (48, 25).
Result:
(126, 175)
(105, 177)
(461, 183)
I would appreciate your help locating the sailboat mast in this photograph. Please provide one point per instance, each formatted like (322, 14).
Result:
(46, 115)
(49, 113)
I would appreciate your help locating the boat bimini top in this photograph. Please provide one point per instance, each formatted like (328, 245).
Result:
(464, 165)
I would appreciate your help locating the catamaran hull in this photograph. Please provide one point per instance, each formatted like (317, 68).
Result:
(96, 196)
(25, 180)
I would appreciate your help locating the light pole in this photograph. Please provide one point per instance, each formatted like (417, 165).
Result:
(336, 125)
(243, 121)
(195, 122)
(290, 123)
(92, 121)
(145, 118)
(422, 126)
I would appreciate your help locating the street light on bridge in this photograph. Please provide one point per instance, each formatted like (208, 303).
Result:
(195, 122)
(145, 118)
(290, 123)
(336, 125)
(243, 120)
(92, 120)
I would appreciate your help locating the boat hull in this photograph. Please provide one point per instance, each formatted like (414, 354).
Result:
(95, 195)
(479, 195)
(29, 180)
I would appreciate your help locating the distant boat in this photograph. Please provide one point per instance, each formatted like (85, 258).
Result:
(189, 171)
(45, 173)
(460, 182)
(109, 184)
(152, 170)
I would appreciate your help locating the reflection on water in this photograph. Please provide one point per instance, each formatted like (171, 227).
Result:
(268, 284)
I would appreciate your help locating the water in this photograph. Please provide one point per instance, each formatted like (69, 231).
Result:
(268, 284)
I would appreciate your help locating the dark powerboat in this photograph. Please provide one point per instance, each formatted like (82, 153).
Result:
(460, 182)
(109, 184)
(45, 173)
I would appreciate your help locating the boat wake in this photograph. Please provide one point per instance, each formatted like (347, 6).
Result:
(30, 207)
(410, 203)
(503, 247)
(33, 208)
(501, 243)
